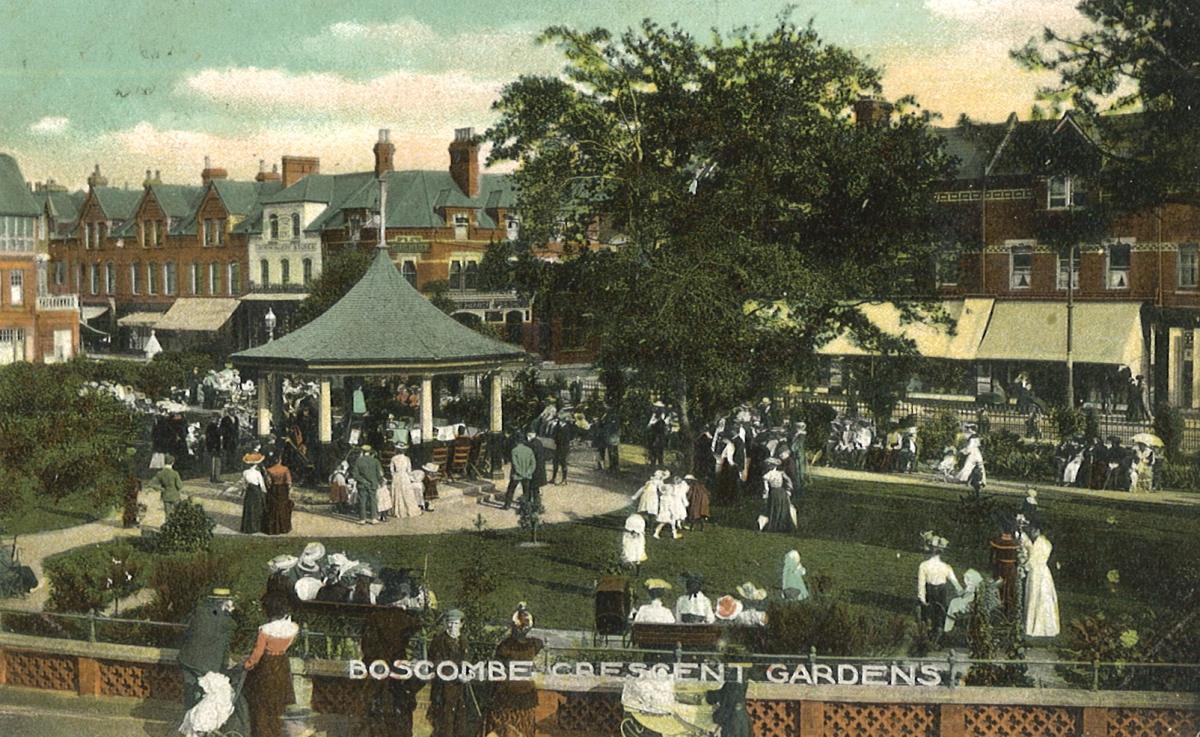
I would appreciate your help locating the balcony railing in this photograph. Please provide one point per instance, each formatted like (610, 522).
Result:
(53, 302)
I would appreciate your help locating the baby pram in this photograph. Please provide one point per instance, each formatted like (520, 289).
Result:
(222, 712)
(651, 708)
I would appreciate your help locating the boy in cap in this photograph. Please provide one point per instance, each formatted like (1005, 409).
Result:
(447, 712)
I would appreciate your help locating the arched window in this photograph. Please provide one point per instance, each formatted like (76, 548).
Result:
(285, 272)
(274, 221)
(410, 272)
(308, 274)
(264, 273)
(472, 276)
(295, 225)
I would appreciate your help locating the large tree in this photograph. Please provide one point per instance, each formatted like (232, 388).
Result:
(752, 212)
(1138, 55)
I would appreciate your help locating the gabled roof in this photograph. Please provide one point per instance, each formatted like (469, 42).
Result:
(241, 198)
(382, 325)
(117, 203)
(62, 206)
(15, 197)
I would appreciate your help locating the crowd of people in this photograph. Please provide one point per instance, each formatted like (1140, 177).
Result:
(1107, 464)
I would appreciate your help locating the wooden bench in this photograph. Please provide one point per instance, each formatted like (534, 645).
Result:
(669, 636)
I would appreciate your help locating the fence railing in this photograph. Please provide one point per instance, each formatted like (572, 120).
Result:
(553, 659)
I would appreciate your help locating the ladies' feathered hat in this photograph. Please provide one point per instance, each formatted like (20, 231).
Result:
(728, 607)
(283, 562)
(313, 552)
(750, 592)
(522, 618)
(253, 457)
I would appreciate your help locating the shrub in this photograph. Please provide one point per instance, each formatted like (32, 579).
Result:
(93, 577)
(938, 433)
(830, 625)
(1006, 456)
(1179, 476)
(1168, 425)
(187, 530)
(1068, 422)
(179, 581)
(817, 416)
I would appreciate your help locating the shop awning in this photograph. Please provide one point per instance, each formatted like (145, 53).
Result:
(91, 312)
(1104, 333)
(140, 319)
(275, 297)
(970, 319)
(198, 314)
(85, 328)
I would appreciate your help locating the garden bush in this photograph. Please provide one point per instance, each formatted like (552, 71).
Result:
(817, 416)
(92, 578)
(832, 626)
(179, 581)
(938, 433)
(188, 529)
(1068, 422)
(1168, 425)
(1179, 476)
(1007, 457)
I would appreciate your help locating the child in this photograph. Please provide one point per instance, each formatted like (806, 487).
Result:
(946, 466)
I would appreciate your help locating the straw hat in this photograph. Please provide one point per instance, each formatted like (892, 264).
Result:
(657, 583)
(431, 468)
(282, 562)
(253, 457)
(750, 592)
(728, 607)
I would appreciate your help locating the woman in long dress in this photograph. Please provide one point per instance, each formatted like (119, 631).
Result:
(1041, 598)
(973, 459)
(514, 703)
(727, 472)
(779, 515)
(794, 586)
(1143, 465)
(647, 495)
(668, 509)
(254, 494)
(277, 518)
(268, 675)
(633, 541)
(406, 499)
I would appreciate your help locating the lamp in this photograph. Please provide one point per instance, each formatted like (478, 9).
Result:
(269, 320)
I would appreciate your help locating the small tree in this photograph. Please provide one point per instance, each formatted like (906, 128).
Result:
(188, 529)
(1168, 425)
(476, 583)
(529, 514)
(339, 272)
(939, 433)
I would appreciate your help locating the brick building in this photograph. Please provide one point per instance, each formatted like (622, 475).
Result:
(1135, 287)
(34, 325)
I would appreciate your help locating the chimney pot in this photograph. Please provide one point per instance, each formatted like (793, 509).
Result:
(384, 153)
(262, 165)
(207, 162)
(384, 135)
(464, 161)
(872, 111)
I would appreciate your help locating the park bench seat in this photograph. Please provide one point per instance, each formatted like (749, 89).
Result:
(668, 636)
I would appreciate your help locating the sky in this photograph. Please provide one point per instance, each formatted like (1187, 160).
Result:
(159, 84)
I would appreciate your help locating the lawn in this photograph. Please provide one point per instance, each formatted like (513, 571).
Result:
(863, 536)
(45, 515)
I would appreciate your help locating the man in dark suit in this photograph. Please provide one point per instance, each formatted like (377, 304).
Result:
(539, 463)
(564, 431)
(212, 446)
(229, 438)
(205, 643)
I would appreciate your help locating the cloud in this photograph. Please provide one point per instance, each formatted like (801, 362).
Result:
(414, 101)
(487, 52)
(50, 125)
(1011, 20)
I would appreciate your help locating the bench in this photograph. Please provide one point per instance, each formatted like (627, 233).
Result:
(669, 636)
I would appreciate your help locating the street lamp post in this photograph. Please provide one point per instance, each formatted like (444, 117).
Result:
(1070, 325)
(269, 320)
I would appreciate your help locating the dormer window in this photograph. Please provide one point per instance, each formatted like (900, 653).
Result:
(461, 222)
(1021, 267)
(1064, 192)
(214, 232)
(353, 226)
(512, 227)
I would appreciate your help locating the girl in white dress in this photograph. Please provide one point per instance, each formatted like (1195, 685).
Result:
(647, 495)
(667, 509)
(406, 492)
(1041, 598)
(633, 541)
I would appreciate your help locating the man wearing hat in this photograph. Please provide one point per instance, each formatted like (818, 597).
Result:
(539, 466)
(656, 434)
(205, 643)
(521, 472)
(563, 433)
(447, 712)
(655, 612)
(368, 475)
(170, 484)
(934, 579)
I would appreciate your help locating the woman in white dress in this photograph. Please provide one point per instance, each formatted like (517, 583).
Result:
(1041, 598)
(647, 495)
(668, 508)
(406, 492)
(633, 541)
(973, 458)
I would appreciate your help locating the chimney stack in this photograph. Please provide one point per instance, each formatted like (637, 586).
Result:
(872, 111)
(384, 151)
(464, 161)
(296, 168)
(209, 173)
(96, 179)
(264, 175)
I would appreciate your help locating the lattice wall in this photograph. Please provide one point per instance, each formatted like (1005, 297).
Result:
(335, 695)
(41, 670)
(774, 718)
(1152, 722)
(592, 714)
(880, 720)
(140, 680)
(1022, 721)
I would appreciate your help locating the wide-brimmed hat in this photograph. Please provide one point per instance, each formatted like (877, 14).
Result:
(453, 615)
(313, 552)
(659, 403)
(282, 562)
(689, 477)
(522, 618)
(221, 593)
(750, 592)
(431, 468)
(659, 584)
(253, 457)
(773, 462)
(728, 607)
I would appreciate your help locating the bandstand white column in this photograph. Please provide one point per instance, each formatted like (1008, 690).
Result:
(325, 414)
(263, 391)
(497, 404)
(426, 409)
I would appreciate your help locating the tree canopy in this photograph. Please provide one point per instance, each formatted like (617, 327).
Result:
(1139, 55)
(339, 272)
(751, 211)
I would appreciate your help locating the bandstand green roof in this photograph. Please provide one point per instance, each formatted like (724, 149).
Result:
(383, 325)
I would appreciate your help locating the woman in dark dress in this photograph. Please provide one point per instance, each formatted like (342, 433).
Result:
(278, 516)
(779, 515)
(268, 676)
(254, 494)
(515, 702)
(727, 471)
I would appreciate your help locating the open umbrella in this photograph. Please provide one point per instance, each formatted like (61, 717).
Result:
(1148, 438)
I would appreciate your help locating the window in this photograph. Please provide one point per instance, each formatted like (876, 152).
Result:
(264, 272)
(1064, 263)
(1021, 267)
(1117, 271)
(472, 276)
(214, 232)
(16, 233)
(214, 278)
(152, 278)
(353, 226)
(461, 221)
(12, 345)
(235, 278)
(1187, 267)
(60, 272)
(295, 226)
(93, 278)
(194, 278)
(285, 272)
(16, 287)
(135, 278)
(274, 225)
(306, 264)
(456, 274)
(1065, 192)
(79, 278)
(95, 235)
(170, 278)
(110, 278)
(512, 227)
(409, 269)
(86, 236)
